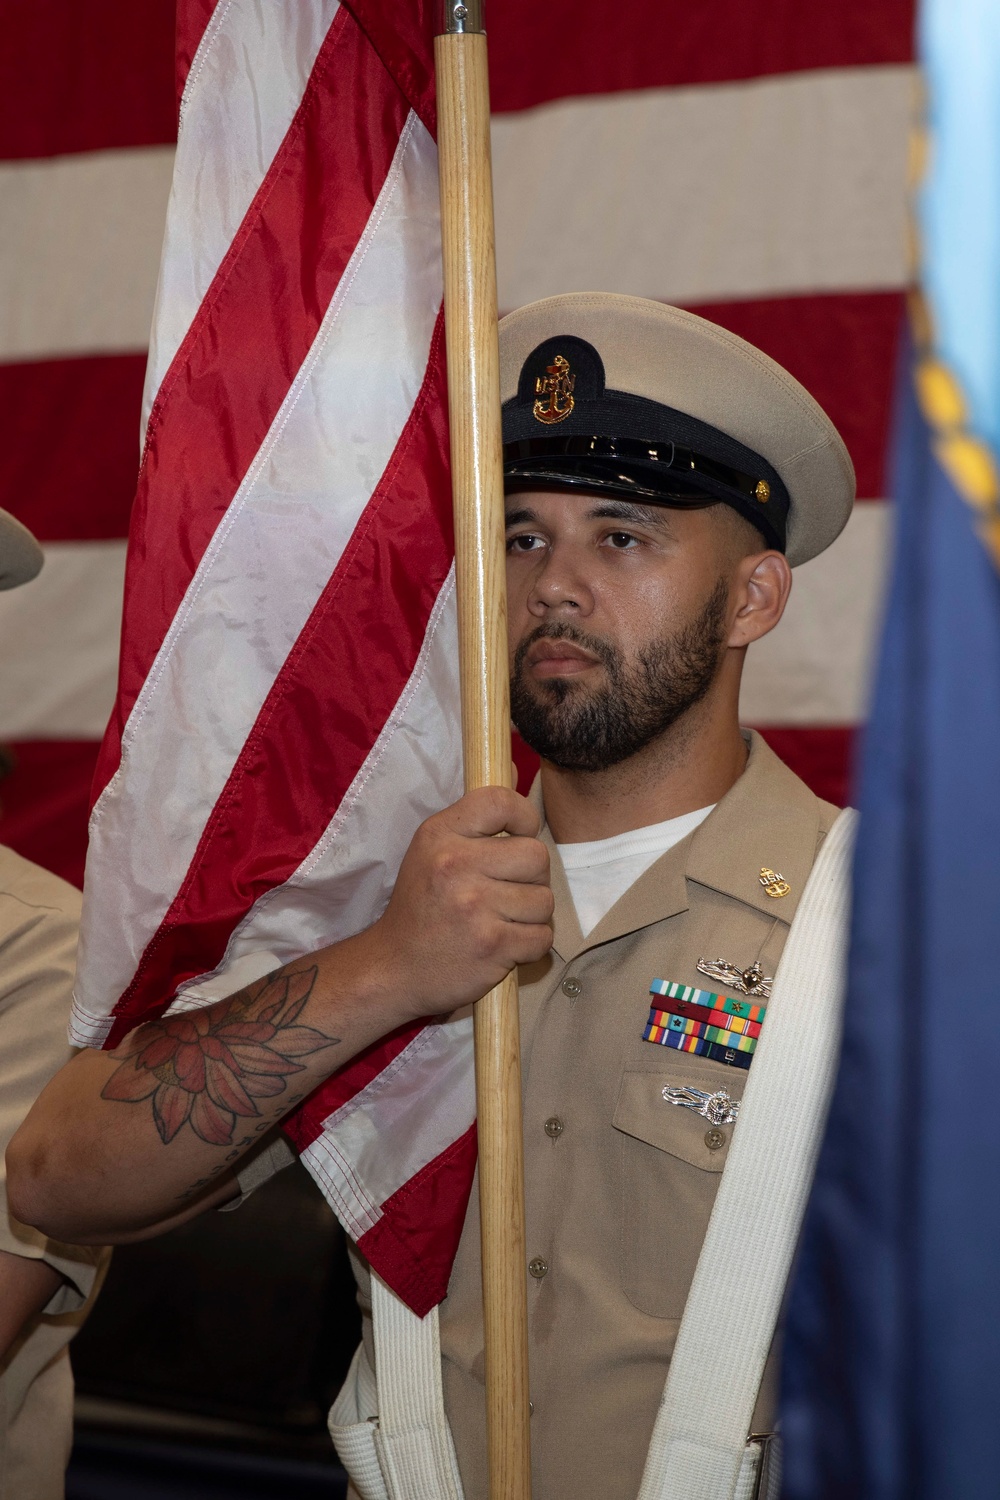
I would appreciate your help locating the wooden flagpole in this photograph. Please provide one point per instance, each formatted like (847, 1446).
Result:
(470, 299)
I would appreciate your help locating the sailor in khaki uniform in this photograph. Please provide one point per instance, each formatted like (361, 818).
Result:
(44, 1285)
(620, 1184)
(663, 476)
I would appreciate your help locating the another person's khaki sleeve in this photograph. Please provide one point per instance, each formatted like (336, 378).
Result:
(39, 923)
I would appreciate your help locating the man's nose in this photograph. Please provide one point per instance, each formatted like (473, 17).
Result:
(560, 587)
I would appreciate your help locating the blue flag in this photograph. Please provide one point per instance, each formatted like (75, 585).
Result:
(892, 1362)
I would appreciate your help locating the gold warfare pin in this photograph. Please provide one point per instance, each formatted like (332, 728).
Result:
(554, 392)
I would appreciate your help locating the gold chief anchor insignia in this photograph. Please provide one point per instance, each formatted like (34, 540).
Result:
(774, 884)
(555, 392)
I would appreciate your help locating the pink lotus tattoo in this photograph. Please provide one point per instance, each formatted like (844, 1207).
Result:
(209, 1069)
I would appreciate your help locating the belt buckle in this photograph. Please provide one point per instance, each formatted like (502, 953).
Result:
(762, 1479)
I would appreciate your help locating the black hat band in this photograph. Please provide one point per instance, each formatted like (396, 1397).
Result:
(662, 472)
(565, 428)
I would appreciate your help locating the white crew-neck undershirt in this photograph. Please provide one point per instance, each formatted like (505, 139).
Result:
(600, 872)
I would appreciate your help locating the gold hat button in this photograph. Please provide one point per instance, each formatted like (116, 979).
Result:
(762, 492)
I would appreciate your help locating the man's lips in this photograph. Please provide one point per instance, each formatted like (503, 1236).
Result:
(555, 658)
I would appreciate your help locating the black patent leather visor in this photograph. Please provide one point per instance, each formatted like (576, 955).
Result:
(664, 473)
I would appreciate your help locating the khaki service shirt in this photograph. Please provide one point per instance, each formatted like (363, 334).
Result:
(620, 1184)
(39, 917)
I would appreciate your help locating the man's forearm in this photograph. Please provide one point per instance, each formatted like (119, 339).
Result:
(148, 1134)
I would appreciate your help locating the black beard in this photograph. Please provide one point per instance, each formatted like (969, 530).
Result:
(581, 732)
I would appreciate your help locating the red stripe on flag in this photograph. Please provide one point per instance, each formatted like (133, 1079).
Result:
(543, 52)
(324, 712)
(250, 336)
(843, 349)
(526, 762)
(192, 18)
(402, 35)
(44, 798)
(415, 1241)
(70, 476)
(822, 756)
(91, 77)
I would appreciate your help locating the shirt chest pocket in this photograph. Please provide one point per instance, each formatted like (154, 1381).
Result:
(671, 1162)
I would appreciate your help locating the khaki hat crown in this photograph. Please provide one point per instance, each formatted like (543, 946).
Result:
(678, 360)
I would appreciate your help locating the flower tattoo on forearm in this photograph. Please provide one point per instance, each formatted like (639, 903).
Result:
(209, 1070)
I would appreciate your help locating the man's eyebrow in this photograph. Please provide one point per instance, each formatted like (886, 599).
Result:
(517, 517)
(627, 510)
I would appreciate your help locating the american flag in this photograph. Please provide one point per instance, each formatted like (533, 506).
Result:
(287, 708)
(741, 159)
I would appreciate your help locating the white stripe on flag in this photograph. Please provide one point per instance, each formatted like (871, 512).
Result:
(347, 878)
(718, 191)
(814, 669)
(417, 1107)
(59, 665)
(57, 680)
(751, 189)
(79, 250)
(245, 84)
(413, 770)
(267, 564)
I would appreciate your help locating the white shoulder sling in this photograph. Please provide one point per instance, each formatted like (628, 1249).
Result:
(700, 1435)
(393, 1435)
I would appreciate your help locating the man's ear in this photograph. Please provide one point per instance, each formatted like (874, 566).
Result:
(763, 584)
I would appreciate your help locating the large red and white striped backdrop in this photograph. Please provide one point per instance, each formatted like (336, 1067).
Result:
(747, 159)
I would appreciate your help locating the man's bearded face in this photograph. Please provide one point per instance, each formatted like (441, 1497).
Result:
(583, 727)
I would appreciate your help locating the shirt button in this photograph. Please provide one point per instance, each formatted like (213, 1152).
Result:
(572, 987)
(714, 1139)
(554, 1128)
(538, 1268)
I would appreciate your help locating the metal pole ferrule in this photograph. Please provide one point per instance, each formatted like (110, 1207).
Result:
(461, 16)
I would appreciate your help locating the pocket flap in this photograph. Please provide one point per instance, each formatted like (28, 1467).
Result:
(642, 1112)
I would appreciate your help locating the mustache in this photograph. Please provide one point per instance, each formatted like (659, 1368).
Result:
(561, 631)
